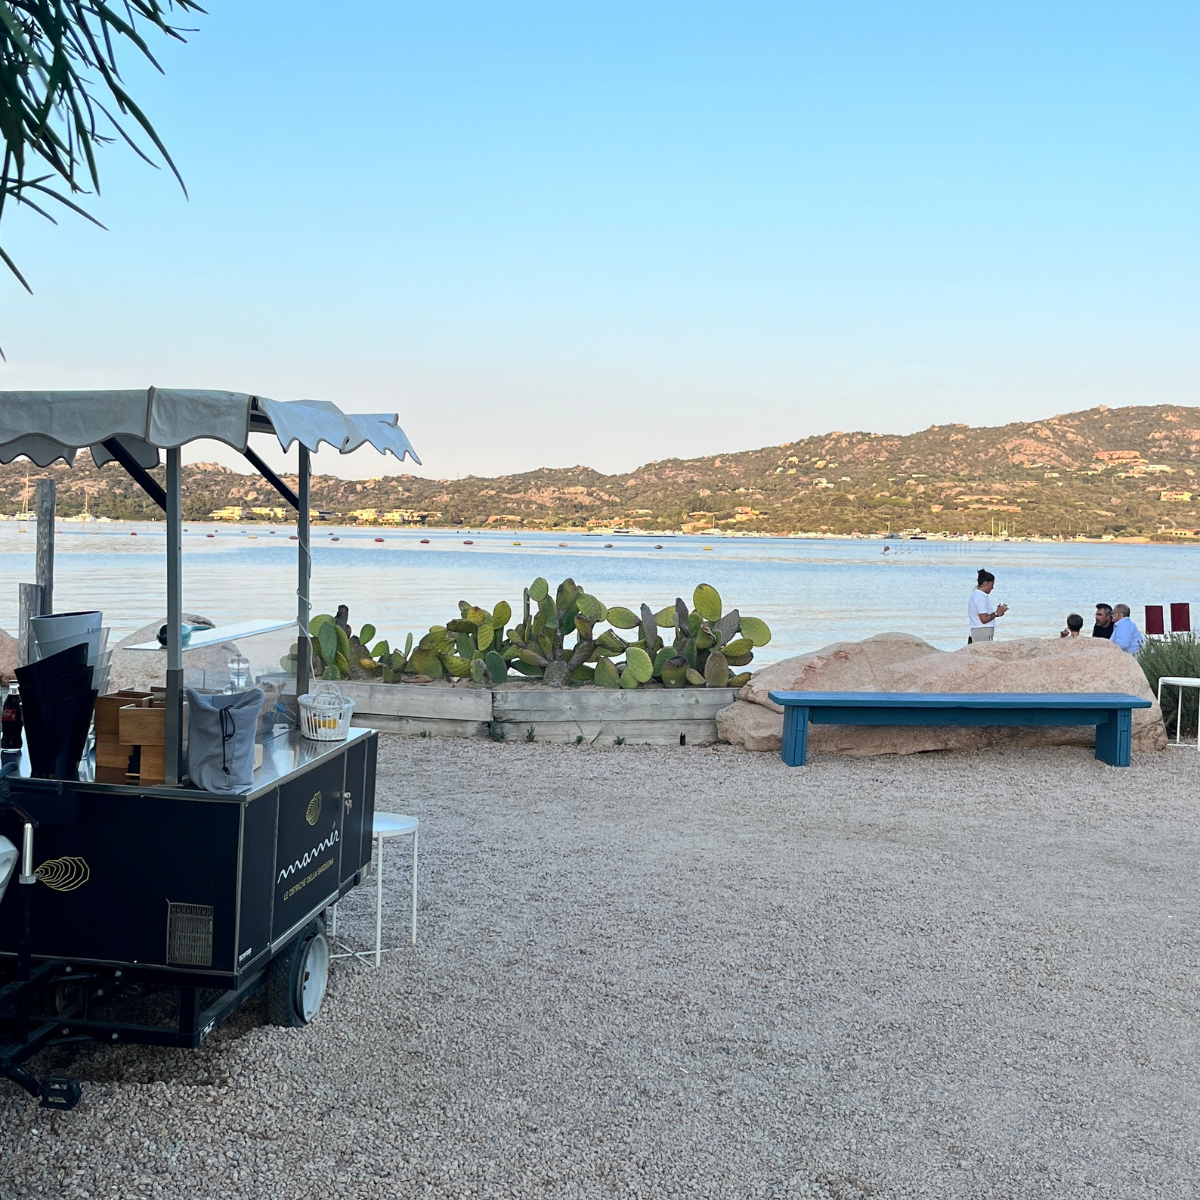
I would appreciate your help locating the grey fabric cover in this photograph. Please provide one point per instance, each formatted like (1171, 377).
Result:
(46, 426)
(8, 863)
(220, 751)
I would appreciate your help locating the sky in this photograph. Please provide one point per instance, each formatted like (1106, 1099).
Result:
(548, 234)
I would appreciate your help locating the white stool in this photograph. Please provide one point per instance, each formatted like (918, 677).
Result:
(386, 825)
(1180, 682)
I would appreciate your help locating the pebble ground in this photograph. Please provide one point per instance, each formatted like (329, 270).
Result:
(693, 972)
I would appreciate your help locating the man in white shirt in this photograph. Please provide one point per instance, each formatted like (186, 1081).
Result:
(1125, 633)
(980, 615)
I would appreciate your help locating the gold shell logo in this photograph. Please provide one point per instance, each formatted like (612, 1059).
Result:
(314, 809)
(63, 874)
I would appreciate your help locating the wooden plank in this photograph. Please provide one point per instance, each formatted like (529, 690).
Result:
(415, 726)
(30, 606)
(142, 726)
(605, 733)
(45, 544)
(417, 700)
(606, 704)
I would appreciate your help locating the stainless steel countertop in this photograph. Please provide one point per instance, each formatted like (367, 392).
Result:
(285, 756)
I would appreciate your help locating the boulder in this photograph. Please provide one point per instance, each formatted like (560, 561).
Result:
(9, 660)
(898, 663)
(842, 667)
(138, 670)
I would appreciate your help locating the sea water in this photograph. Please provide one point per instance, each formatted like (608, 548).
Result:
(811, 592)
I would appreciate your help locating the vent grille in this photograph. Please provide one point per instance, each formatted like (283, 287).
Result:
(189, 934)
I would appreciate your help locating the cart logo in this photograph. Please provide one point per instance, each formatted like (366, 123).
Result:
(309, 856)
(64, 874)
(313, 811)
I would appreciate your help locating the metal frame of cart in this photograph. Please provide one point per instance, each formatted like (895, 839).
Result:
(266, 864)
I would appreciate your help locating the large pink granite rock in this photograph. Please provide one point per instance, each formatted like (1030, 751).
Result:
(9, 660)
(898, 663)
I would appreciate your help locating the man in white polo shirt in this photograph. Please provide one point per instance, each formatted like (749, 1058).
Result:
(980, 615)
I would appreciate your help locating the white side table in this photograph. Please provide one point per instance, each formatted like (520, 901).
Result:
(1180, 682)
(387, 825)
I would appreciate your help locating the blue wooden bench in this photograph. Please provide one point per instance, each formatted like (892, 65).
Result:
(1110, 712)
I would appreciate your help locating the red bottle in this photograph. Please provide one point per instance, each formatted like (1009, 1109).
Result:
(10, 720)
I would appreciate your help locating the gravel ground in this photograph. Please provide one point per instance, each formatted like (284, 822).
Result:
(693, 972)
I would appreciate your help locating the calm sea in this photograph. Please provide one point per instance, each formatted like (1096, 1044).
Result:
(810, 592)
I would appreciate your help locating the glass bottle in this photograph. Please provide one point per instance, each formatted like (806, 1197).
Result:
(10, 719)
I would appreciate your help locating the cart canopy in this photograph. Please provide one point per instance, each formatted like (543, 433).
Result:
(46, 426)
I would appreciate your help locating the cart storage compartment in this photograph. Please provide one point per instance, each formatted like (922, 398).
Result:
(200, 884)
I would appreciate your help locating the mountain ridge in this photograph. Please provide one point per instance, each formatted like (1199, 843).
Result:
(1128, 471)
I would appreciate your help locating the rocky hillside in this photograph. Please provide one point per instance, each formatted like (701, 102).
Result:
(1126, 472)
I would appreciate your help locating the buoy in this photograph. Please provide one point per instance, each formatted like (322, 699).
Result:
(379, 539)
(516, 543)
(424, 541)
(708, 547)
(608, 545)
(334, 539)
(253, 537)
(132, 533)
(658, 546)
(468, 542)
(562, 545)
(293, 538)
(272, 533)
(206, 535)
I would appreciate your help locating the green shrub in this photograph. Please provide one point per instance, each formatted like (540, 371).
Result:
(1175, 654)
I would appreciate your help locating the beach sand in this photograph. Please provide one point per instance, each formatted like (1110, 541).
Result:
(695, 972)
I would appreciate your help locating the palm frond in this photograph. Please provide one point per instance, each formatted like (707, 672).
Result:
(61, 94)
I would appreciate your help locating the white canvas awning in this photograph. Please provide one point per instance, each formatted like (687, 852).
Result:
(46, 426)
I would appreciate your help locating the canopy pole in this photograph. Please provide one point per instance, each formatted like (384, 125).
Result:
(304, 583)
(45, 543)
(174, 747)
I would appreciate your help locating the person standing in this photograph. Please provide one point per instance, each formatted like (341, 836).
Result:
(981, 617)
(1104, 621)
(1124, 632)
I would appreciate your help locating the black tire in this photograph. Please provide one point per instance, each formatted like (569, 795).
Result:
(297, 978)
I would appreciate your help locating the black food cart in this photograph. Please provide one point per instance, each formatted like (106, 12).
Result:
(150, 913)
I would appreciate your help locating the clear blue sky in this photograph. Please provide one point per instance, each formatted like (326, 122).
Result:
(549, 234)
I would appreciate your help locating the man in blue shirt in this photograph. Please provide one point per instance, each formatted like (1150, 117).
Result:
(1125, 633)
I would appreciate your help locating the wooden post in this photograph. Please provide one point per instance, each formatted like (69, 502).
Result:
(45, 545)
(31, 606)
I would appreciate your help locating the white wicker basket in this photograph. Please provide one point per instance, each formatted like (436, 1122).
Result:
(325, 714)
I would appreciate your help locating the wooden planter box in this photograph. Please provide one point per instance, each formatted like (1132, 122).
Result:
(646, 717)
(653, 717)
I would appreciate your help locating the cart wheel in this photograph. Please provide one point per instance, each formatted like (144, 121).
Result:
(297, 978)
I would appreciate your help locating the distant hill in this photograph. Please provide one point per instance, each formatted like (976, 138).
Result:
(1122, 471)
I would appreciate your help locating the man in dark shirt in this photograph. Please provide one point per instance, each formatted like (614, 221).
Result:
(1104, 621)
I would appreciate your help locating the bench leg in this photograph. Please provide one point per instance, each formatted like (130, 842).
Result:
(795, 736)
(1114, 739)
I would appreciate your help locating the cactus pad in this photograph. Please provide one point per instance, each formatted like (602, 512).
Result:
(755, 631)
(716, 670)
(497, 668)
(606, 674)
(366, 633)
(674, 672)
(539, 589)
(622, 618)
(707, 602)
(638, 662)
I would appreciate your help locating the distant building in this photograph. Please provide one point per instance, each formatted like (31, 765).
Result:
(1176, 497)
(1118, 456)
(231, 512)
